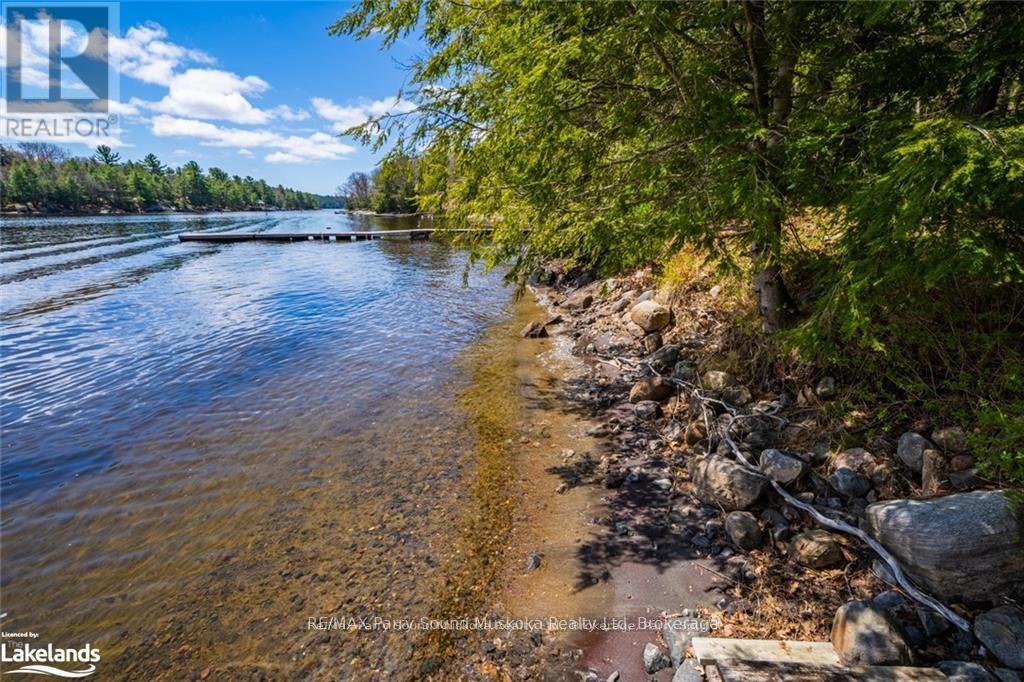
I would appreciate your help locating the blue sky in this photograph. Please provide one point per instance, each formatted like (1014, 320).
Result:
(255, 88)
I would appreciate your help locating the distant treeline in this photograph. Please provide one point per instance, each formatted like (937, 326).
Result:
(394, 186)
(44, 177)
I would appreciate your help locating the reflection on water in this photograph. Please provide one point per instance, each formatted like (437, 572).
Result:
(204, 445)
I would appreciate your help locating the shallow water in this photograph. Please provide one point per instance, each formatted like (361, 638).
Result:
(206, 445)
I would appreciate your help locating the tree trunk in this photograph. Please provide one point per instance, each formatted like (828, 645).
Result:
(772, 105)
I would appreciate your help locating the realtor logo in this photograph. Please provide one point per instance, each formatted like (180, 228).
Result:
(58, 57)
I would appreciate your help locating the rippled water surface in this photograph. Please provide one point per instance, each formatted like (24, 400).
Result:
(206, 444)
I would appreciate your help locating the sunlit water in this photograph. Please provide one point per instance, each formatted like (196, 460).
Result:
(204, 445)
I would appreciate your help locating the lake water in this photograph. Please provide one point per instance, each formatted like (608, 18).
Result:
(204, 445)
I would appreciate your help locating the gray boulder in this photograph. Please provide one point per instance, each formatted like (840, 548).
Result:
(743, 530)
(849, 483)
(910, 450)
(717, 480)
(863, 634)
(780, 467)
(1001, 630)
(648, 410)
(655, 659)
(963, 547)
(650, 316)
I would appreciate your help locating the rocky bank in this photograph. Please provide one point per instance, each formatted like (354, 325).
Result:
(709, 444)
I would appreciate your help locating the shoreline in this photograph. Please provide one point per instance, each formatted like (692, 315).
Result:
(669, 512)
(101, 214)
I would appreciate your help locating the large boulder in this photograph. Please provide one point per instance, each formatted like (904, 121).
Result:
(650, 388)
(717, 480)
(650, 316)
(863, 634)
(1001, 630)
(963, 547)
(579, 300)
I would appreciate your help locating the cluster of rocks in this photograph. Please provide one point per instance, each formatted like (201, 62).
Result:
(963, 548)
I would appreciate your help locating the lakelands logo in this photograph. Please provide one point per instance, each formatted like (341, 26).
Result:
(38, 660)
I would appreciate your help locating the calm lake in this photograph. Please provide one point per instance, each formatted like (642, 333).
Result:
(205, 445)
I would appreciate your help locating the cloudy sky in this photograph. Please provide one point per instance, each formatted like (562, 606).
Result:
(255, 88)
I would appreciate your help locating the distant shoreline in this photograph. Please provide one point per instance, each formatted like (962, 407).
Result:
(100, 214)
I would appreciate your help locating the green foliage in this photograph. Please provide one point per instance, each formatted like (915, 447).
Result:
(46, 179)
(616, 133)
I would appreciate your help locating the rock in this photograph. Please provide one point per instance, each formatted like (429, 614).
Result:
(648, 410)
(857, 459)
(816, 549)
(650, 316)
(655, 659)
(534, 330)
(614, 677)
(910, 450)
(780, 467)
(863, 634)
(677, 633)
(737, 395)
(688, 672)
(966, 479)
(961, 463)
(743, 530)
(581, 300)
(933, 471)
(1007, 675)
(685, 370)
(962, 671)
(645, 296)
(826, 388)
(849, 483)
(715, 380)
(663, 359)
(951, 439)
(963, 547)
(652, 342)
(650, 388)
(717, 480)
(533, 561)
(932, 624)
(696, 431)
(889, 601)
(1001, 630)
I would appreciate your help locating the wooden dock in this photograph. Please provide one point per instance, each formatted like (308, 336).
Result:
(325, 236)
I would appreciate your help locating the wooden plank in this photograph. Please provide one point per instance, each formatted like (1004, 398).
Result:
(711, 650)
(766, 671)
(327, 235)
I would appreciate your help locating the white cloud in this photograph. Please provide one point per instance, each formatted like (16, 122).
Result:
(344, 116)
(288, 148)
(286, 113)
(145, 54)
(212, 94)
(245, 152)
